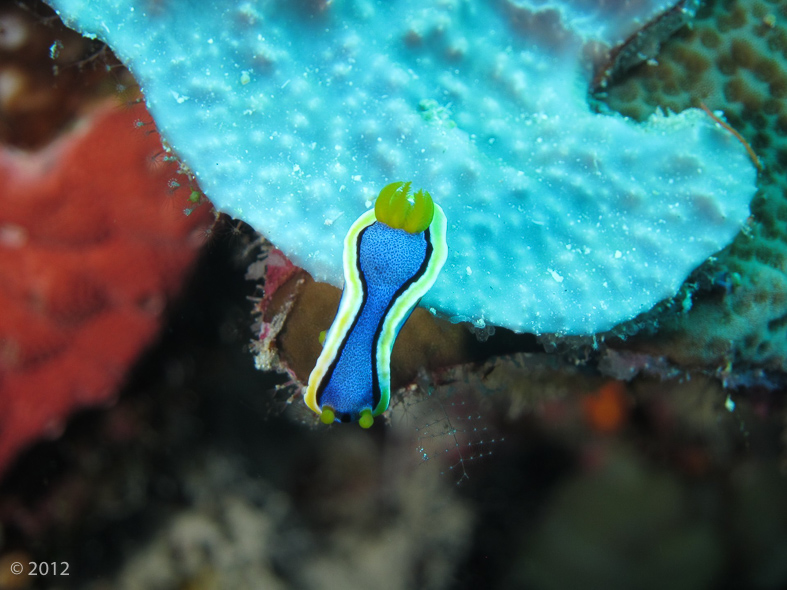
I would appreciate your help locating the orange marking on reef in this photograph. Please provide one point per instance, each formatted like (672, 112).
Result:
(737, 135)
(606, 409)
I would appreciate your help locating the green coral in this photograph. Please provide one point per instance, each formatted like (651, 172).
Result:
(734, 60)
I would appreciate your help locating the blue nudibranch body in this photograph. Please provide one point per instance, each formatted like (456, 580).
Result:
(392, 256)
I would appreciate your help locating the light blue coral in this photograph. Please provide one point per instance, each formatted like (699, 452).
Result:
(294, 114)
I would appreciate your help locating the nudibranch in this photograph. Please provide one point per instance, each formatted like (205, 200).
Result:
(392, 256)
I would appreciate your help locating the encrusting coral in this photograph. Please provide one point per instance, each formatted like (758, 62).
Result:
(733, 59)
(561, 219)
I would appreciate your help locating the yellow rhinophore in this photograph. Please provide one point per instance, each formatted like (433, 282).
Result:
(394, 209)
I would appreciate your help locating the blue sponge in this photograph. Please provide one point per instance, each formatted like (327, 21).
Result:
(561, 220)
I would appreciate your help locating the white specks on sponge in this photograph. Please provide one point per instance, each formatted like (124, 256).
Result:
(483, 105)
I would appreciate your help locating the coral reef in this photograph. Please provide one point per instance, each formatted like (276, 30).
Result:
(238, 534)
(90, 255)
(651, 508)
(562, 220)
(519, 470)
(734, 60)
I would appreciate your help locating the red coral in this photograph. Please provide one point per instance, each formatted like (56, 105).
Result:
(90, 252)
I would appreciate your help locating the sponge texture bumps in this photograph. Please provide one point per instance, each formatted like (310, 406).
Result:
(293, 115)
